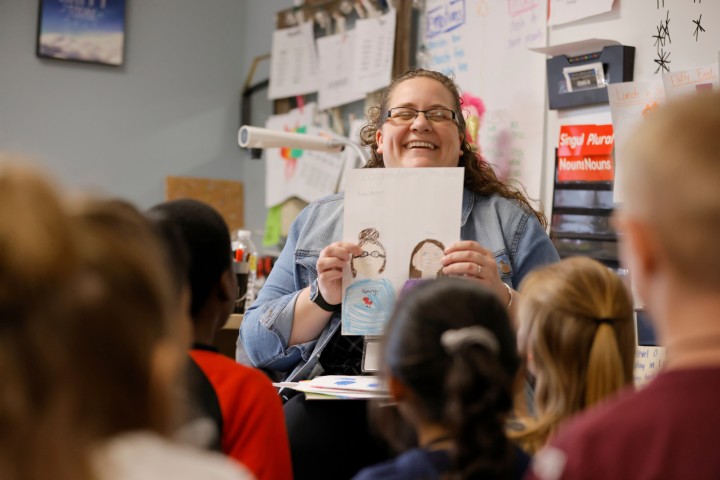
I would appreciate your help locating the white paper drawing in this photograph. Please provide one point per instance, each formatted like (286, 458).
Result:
(566, 11)
(684, 83)
(403, 207)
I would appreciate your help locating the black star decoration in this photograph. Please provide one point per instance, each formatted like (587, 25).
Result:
(659, 37)
(663, 61)
(698, 27)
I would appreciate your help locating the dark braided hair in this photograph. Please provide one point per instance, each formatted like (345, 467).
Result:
(479, 174)
(466, 386)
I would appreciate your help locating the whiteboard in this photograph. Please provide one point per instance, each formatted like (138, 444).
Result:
(484, 45)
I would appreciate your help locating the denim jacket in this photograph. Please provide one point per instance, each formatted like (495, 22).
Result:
(498, 224)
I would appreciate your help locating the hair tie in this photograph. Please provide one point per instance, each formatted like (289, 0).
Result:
(600, 321)
(452, 340)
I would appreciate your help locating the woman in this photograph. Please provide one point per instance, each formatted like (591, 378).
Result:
(450, 360)
(293, 326)
(578, 336)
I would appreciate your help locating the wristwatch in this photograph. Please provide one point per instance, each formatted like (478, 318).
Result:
(317, 298)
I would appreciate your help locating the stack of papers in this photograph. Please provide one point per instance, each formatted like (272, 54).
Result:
(339, 387)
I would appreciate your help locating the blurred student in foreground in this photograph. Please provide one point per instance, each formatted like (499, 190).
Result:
(669, 227)
(450, 362)
(578, 337)
(251, 424)
(90, 348)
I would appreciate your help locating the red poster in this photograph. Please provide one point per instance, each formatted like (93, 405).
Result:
(585, 153)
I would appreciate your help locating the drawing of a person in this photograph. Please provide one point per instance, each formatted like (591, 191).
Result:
(368, 301)
(425, 260)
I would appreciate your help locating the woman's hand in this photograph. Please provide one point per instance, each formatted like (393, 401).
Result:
(330, 265)
(469, 259)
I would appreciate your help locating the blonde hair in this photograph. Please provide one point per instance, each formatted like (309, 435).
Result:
(671, 168)
(576, 323)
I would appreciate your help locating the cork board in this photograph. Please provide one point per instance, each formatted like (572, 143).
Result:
(226, 196)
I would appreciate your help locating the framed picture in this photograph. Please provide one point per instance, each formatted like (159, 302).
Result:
(82, 30)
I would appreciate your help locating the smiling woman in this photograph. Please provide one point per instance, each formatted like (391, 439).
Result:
(294, 326)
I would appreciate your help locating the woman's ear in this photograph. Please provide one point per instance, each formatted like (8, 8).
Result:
(379, 141)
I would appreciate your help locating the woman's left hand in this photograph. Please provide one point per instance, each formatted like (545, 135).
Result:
(469, 259)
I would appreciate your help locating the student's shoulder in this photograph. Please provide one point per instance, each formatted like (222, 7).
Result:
(218, 366)
(146, 456)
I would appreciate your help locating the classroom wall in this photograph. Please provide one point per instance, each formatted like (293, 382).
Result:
(172, 109)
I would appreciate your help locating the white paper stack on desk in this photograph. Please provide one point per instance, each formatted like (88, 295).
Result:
(339, 387)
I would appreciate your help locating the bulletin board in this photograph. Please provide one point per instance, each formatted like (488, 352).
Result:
(226, 196)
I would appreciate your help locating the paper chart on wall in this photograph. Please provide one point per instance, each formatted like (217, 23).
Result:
(374, 50)
(684, 83)
(648, 364)
(290, 172)
(402, 218)
(629, 103)
(293, 63)
(485, 45)
(566, 11)
(337, 70)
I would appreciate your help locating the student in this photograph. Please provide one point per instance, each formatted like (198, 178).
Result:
(450, 362)
(294, 327)
(252, 425)
(90, 348)
(669, 226)
(577, 334)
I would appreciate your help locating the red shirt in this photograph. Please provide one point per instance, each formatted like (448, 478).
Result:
(253, 423)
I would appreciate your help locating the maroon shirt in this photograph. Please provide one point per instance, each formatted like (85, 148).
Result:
(668, 430)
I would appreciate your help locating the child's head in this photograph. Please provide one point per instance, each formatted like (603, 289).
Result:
(207, 238)
(122, 322)
(577, 332)
(450, 345)
(87, 348)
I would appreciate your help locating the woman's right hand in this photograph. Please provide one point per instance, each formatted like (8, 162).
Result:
(330, 264)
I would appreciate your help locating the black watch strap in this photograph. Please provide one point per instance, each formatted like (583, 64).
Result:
(317, 298)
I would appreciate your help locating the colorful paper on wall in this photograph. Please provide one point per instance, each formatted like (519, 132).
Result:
(585, 153)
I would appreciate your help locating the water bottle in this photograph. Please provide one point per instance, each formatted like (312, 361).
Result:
(246, 256)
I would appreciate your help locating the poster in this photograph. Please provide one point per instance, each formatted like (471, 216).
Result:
(82, 30)
(585, 153)
(402, 218)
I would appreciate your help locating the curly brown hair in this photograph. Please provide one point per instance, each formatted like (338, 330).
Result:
(479, 174)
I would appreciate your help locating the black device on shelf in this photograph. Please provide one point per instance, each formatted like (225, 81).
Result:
(580, 222)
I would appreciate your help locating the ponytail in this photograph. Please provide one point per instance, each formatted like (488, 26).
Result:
(604, 373)
(479, 395)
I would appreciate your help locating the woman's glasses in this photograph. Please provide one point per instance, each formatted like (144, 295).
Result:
(404, 115)
(374, 254)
